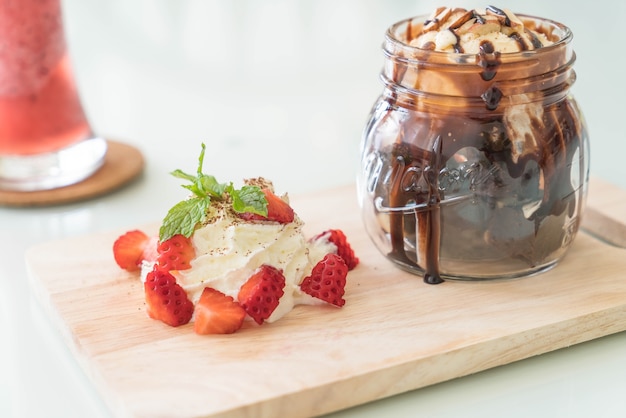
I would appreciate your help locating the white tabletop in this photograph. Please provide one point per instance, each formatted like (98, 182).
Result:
(280, 88)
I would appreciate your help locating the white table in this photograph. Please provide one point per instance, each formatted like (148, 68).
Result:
(279, 88)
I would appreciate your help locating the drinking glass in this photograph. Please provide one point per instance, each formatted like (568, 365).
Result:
(45, 138)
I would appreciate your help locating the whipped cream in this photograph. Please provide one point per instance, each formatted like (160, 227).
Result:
(230, 249)
(467, 31)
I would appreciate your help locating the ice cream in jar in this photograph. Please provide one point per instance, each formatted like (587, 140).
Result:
(474, 160)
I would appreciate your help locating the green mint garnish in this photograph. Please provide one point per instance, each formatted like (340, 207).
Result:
(183, 217)
(248, 199)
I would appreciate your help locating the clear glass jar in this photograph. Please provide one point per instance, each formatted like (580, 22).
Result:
(475, 166)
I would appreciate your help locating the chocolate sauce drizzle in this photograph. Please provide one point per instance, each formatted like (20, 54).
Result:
(520, 41)
(422, 191)
(457, 45)
(556, 149)
(557, 146)
(492, 97)
(500, 13)
(526, 41)
(479, 19)
(536, 42)
(489, 60)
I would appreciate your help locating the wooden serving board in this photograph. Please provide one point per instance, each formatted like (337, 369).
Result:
(394, 334)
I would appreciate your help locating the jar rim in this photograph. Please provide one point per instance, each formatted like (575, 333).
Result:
(564, 34)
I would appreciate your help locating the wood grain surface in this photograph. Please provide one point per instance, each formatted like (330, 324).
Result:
(394, 334)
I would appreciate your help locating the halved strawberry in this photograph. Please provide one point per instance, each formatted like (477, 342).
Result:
(128, 249)
(327, 280)
(166, 300)
(175, 253)
(337, 237)
(260, 294)
(277, 210)
(217, 313)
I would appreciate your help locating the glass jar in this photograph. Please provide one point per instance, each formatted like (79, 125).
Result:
(475, 166)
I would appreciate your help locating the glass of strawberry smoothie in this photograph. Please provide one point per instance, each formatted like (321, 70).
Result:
(45, 138)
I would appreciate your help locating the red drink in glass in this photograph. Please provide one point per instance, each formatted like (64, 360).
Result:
(45, 138)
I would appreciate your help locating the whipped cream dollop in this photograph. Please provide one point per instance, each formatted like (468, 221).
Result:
(229, 250)
(467, 31)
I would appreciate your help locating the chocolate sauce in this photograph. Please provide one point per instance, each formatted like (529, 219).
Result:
(536, 42)
(419, 178)
(492, 97)
(501, 14)
(520, 41)
(457, 45)
(429, 221)
(489, 60)
(429, 46)
(479, 19)
(453, 185)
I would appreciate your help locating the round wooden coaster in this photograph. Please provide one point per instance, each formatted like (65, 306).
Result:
(122, 163)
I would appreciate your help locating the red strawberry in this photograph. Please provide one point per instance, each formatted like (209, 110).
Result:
(217, 313)
(259, 296)
(128, 249)
(327, 280)
(166, 300)
(337, 237)
(277, 210)
(175, 253)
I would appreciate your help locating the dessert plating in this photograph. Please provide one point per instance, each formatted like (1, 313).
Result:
(474, 161)
(225, 254)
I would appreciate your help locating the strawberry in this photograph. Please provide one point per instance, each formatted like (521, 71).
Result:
(277, 210)
(175, 253)
(217, 313)
(337, 237)
(128, 249)
(327, 280)
(166, 300)
(260, 294)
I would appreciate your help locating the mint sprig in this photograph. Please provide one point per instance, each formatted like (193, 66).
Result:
(183, 217)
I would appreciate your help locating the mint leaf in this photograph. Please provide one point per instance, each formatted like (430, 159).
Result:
(211, 186)
(249, 199)
(182, 175)
(183, 217)
(201, 160)
(186, 215)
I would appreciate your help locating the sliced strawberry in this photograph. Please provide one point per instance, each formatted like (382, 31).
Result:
(217, 313)
(260, 294)
(277, 210)
(175, 253)
(128, 249)
(327, 280)
(166, 300)
(337, 237)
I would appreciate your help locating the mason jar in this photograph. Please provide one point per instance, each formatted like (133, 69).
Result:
(474, 166)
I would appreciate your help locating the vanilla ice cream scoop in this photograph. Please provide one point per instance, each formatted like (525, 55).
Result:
(467, 31)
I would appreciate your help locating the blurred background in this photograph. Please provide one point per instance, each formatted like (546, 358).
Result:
(279, 88)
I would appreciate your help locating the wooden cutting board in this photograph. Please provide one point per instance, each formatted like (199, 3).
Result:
(394, 334)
